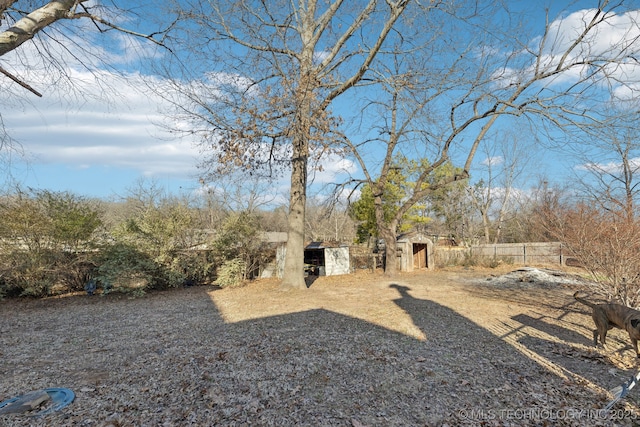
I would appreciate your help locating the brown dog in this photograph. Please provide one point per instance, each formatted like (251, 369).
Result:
(608, 316)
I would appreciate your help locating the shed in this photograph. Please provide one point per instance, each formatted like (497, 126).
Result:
(326, 259)
(320, 259)
(414, 252)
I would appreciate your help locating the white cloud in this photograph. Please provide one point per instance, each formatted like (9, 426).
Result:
(333, 170)
(493, 160)
(617, 37)
(94, 115)
(118, 130)
(237, 81)
(320, 56)
(611, 167)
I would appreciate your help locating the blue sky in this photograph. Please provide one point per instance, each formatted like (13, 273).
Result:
(104, 147)
(96, 148)
(100, 146)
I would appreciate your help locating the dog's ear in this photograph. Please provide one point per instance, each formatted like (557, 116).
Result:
(635, 323)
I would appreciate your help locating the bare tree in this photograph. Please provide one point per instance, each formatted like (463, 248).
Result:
(604, 243)
(609, 175)
(506, 159)
(329, 221)
(531, 223)
(454, 215)
(449, 103)
(235, 192)
(263, 78)
(602, 229)
(262, 81)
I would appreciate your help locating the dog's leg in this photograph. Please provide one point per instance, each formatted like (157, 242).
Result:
(634, 343)
(601, 321)
(603, 335)
(633, 327)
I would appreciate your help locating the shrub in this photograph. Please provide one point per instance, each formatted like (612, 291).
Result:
(46, 242)
(194, 266)
(122, 268)
(469, 260)
(606, 244)
(42, 273)
(230, 274)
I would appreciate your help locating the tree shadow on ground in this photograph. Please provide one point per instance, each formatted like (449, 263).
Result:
(313, 367)
(587, 362)
(549, 328)
(572, 352)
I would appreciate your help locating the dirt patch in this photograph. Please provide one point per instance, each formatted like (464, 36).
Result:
(451, 347)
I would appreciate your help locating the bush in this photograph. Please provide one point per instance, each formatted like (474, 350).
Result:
(606, 244)
(230, 274)
(46, 242)
(42, 273)
(122, 268)
(195, 266)
(469, 260)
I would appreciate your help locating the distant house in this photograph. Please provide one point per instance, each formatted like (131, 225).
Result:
(278, 240)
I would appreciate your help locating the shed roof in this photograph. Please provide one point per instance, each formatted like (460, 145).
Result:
(324, 245)
(413, 236)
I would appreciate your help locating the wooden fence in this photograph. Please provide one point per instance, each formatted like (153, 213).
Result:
(518, 253)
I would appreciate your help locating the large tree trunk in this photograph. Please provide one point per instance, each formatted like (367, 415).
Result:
(293, 275)
(390, 251)
(387, 232)
(301, 134)
(301, 137)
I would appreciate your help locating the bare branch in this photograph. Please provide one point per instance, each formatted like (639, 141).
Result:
(20, 82)
(95, 18)
(4, 5)
(396, 9)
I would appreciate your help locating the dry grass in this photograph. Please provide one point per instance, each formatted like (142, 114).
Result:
(446, 347)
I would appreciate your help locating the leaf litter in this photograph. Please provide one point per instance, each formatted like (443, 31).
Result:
(450, 347)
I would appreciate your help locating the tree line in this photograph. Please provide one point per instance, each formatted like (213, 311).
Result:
(55, 242)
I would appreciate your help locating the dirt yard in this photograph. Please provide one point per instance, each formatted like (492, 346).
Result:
(451, 347)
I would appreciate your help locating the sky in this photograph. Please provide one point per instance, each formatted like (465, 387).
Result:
(101, 146)
(96, 149)
(106, 147)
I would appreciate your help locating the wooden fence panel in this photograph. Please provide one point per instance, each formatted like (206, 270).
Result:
(518, 253)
